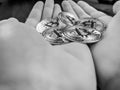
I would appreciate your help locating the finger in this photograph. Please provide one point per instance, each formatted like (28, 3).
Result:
(35, 14)
(67, 8)
(116, 7)
(3, 21)
(94, 13)
(89, 9)
(12, 19)
(78, 10)
(57, 10)
(48, 9)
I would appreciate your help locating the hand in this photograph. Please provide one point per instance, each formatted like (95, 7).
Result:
(116, 7)
(28, 62)
(106, 52)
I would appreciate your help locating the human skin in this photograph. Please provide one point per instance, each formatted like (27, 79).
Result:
(28, 62)
(116, 7)
(106, 52)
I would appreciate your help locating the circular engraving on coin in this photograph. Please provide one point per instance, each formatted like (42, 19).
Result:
(54, 36)
(67, 18)
(92, 23)
(49, 23)
(82, 34)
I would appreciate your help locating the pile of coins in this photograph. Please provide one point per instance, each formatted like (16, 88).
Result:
(67, 28)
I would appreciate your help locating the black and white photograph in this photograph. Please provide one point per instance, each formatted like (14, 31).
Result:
(59, 44)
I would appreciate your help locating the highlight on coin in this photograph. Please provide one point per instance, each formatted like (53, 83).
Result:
(93, 23)
(81, 34)
(49, 23)
(67, 18)
(54, 36)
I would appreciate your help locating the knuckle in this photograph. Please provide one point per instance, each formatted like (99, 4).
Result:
(12, 19)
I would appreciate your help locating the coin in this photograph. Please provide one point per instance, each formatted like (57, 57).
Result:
(49, 23)
(67, 18)
(92, 23)
(54, 36)
(81, 34)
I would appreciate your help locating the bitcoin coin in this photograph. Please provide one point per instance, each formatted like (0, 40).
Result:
(49, 23)
(67, 18)
(92, 23)
(81, 34)
(54, 36)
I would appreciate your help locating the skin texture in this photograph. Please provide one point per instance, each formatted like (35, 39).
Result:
(116, 7)
(28, 62)
(106, 52)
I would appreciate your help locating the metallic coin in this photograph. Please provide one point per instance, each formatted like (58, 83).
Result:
(92, 23)
(67, 18)
(49, 23)
(43, 25)
(54, 36)
(81, 34)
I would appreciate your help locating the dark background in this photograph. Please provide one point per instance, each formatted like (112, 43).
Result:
(21, 8)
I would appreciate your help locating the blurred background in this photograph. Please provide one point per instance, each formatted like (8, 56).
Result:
(21, 8)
